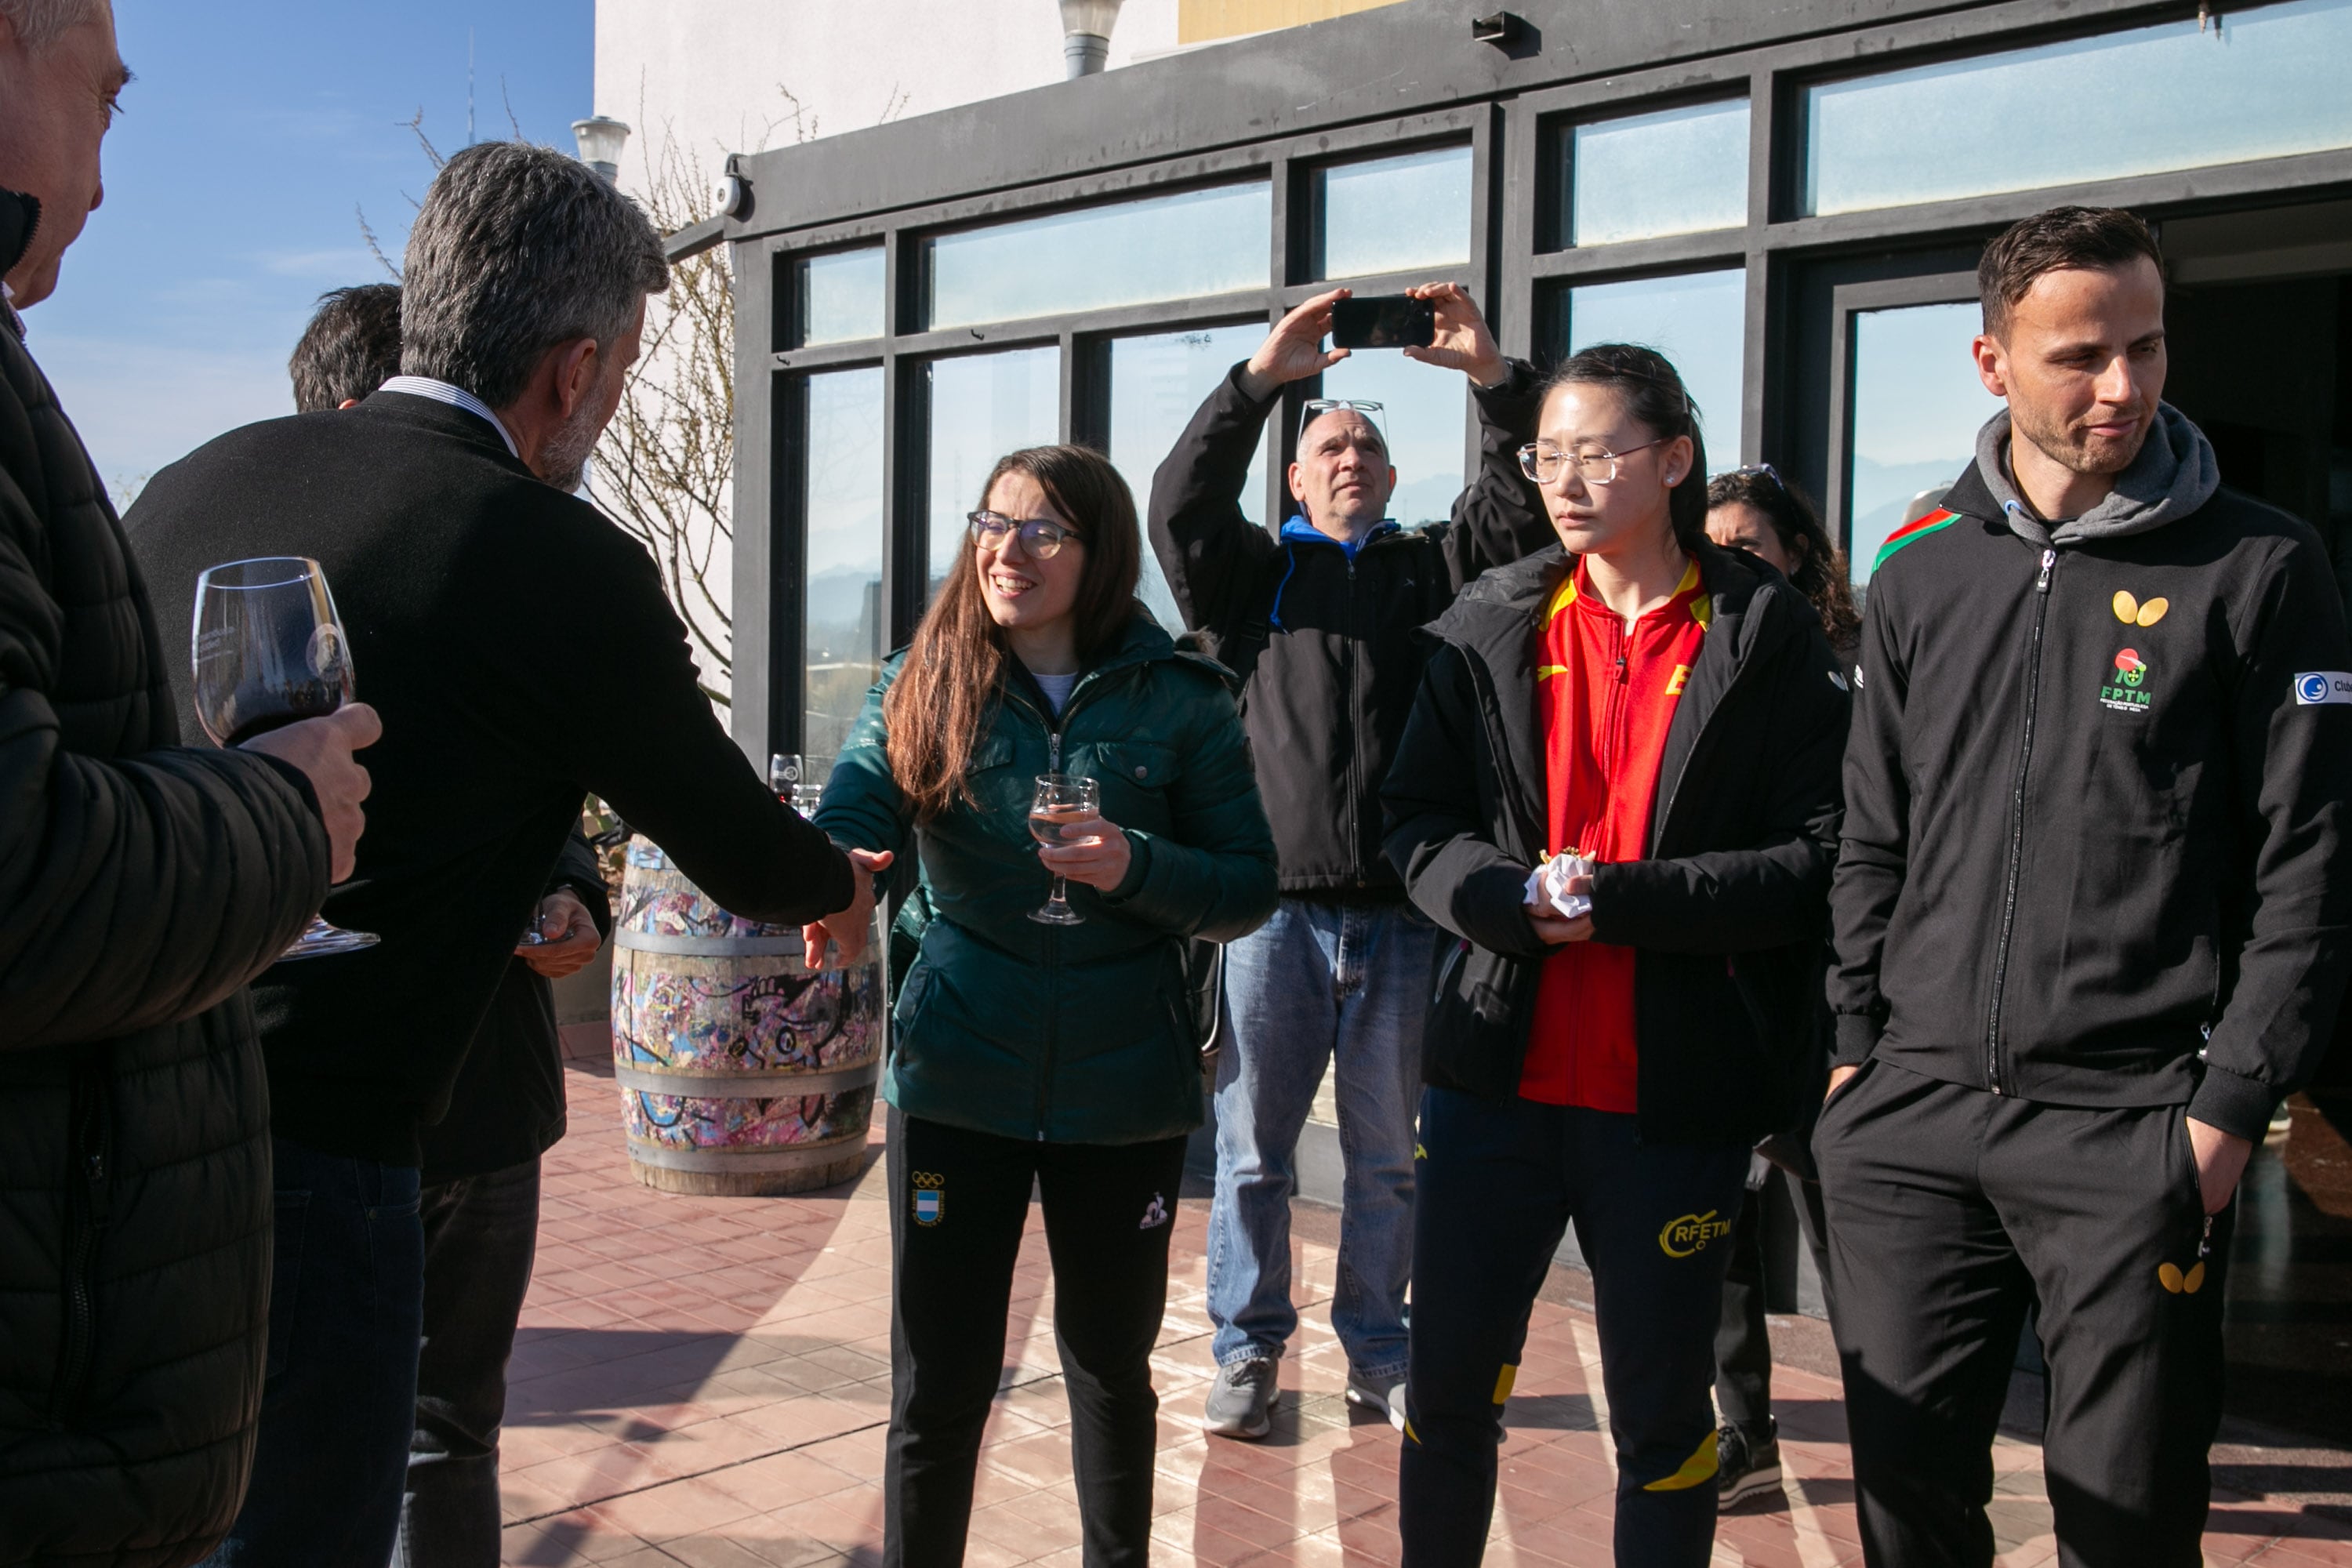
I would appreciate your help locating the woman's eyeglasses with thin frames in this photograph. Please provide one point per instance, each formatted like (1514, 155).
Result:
(1040, 538)
(1543, 463)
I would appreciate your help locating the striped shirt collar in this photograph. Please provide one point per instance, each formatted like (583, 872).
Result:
(455, 398)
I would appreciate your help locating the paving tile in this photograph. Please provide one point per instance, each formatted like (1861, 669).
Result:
(705, 1383)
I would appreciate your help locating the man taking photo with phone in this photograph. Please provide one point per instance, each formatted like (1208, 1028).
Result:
(1319, 622)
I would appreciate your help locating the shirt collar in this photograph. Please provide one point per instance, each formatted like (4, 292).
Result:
(1297, 530)
(455, 398)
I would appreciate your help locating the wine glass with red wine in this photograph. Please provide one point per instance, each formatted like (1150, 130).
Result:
(269, 651)
(1060, 799)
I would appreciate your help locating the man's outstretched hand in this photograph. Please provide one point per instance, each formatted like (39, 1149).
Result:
(848, 929)
(1462, 342)
(1294, 350)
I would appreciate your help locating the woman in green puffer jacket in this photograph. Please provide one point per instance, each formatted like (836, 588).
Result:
(1064, 1054)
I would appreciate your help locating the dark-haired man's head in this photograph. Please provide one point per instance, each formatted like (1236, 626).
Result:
(350, 347)
(2073, 337)
(525, 283)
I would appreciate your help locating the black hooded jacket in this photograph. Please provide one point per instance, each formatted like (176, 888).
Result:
(1727, 913)
(1328, 643)
(142, 885)
(2096, 805)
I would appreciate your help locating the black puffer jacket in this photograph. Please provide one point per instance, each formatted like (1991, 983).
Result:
(1728, 912)
(1327, 644)
(140, 887)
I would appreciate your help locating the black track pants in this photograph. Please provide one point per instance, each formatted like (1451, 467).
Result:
(1950, 1210)
(959, 1201)
(1498, 1185)
(1743, 1340)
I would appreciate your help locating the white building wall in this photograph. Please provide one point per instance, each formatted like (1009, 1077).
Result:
(741, 76)
(715, 77)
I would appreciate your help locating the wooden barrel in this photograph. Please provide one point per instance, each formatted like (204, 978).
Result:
(741, 1072)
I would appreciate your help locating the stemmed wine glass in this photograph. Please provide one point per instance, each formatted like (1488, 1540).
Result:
(269, 651)
(1060, 799)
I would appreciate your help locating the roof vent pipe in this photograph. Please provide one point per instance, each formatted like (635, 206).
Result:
(1086, 35)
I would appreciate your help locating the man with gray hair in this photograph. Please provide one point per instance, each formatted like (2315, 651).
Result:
(142, 885)
(521, 646)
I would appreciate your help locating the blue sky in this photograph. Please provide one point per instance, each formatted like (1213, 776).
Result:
(255, 133)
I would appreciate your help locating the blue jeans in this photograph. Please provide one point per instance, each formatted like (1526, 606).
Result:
(1346, 986)
(339, 1395)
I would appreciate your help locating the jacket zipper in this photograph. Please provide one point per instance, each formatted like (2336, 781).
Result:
(2017, 824)
(1348, 711)
(1053, 938)
(85, 1217)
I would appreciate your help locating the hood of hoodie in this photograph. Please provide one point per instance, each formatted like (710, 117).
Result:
(2175, 473)
(20, 215)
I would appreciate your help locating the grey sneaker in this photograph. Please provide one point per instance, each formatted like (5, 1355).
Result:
(1388, 1402)
(1747, 1463)
(1241, 1401)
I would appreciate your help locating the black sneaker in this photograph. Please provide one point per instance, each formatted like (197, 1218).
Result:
(1747, 1462)
(1241, 1401)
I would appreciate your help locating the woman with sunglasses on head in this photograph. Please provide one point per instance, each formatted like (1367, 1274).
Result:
(1619, 793)
(1755, 510)
(1060, 1054)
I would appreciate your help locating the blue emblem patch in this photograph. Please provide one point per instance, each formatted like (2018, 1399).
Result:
(930, 1196)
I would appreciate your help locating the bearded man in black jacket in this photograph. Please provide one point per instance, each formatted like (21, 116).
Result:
(527, 650)
(1322, 622)
(2092, 922)
(142, 885)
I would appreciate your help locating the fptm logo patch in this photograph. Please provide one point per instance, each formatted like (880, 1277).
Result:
(2126, 689)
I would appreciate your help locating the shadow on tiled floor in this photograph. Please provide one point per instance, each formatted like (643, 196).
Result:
(706, 1382)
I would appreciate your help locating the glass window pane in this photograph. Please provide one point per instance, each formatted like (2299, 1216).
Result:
(983, 406)
(1696, 319)
(1156, 384)
(1388, 214)
(1426, 421)
(2248, 84)
(1678, 171)
(840, 296)
(841, 608)
(1918, 406)
(1129, 253)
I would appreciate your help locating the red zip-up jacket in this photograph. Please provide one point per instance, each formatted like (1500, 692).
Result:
(1605, 696)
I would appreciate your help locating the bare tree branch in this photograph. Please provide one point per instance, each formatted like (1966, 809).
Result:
(665, 471)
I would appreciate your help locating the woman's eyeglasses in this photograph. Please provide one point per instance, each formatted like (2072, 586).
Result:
(1040, 538)
(1542, 462)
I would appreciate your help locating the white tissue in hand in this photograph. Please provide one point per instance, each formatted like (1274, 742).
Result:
(1548, 883)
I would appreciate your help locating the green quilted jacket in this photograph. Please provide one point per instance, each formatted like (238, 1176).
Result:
(1069, 1034)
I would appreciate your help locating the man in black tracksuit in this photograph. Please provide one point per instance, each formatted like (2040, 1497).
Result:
(2091, 923)
(1319, 622)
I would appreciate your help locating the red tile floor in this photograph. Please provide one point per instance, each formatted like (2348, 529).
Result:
(706, 1382)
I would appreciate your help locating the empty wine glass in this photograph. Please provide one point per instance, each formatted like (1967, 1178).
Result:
(1060, 799)
(269, 651)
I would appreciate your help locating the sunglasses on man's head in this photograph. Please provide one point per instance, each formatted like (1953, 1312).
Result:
(1370, 411)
